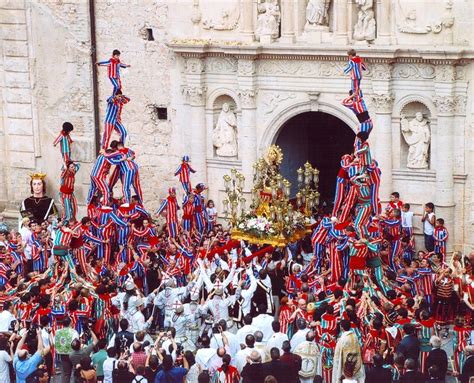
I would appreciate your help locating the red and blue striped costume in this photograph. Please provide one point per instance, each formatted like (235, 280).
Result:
(199, 211)
(354, 67)
(63, 240)
(80, 246)
(184, 171)
(460, 342)
(363, 207)
(440, 236)
(66, 189)
(171, 205)
(113, 72)
(124, 159)
(319, 240)
(426, 329)
(188, 213)
(113, 119)
(392, 205)
(375, 175)
(65, 141)
(342, 185)
(37, 253)
(362, 152)
(393, 227)
(98, 179)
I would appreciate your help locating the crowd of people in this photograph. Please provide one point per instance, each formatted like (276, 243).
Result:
(116, 297)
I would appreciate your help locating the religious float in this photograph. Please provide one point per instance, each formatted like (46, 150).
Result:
(273, 217)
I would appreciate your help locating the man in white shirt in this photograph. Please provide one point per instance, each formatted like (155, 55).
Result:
(26, 232)
(209, 358)
(263, 322)
(277, 338)
(300, 335)
(247, 329)
(241, 357)
(109, 365)
(137, 319)
(247, 292)
(217, 340)
(6, 317)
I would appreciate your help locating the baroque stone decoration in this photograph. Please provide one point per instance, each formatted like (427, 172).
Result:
(247, 98)
(194, 66)
(381, 71)
(299, 68)
(271, 100)
(365, 27)
(317, 13)
(445, 104)
(221, 65)
(195, 95)
(414, 71)
(246, 67)
(410, 25)
(268, 20)
(382, 102)
(224, 135)
(227, 21)
(417, 135)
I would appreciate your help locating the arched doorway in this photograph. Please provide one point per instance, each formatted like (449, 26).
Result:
(319, 138)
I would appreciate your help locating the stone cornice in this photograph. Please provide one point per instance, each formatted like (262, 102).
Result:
(377, 54)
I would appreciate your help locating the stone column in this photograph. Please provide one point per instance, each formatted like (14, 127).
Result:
(247, 29)
(248, 136)
(384, 22)
(444, 160)
(383, 123)
(287, 16)
(196, 96)
(341, 8)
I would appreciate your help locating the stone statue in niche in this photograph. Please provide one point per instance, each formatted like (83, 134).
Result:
(268, 20)
(224, 135)
(416, 133)
(365, 26)
(317, 12)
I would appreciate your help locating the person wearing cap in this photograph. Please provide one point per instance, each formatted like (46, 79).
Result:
(137, 319)
(218, 305)
(183, 171)
(180, 322)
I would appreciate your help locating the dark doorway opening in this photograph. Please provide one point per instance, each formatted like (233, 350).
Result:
(319, 138)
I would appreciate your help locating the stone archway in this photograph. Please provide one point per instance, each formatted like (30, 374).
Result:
(319, 138)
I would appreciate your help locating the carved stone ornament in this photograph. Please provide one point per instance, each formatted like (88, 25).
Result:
(445, 104)
(221, 65)
(227, 21)
(414, 71)
(224, 135)
(246, 67)
(268, 19)
(271, 100)
(247, 98)
(195, 95)
(381, 71)
(296, 68)
(364, 29)
(194, 65)
(445, 73)
(417, 135)
(382, 103)
(460, 107)
(317, 12)
(409, 24)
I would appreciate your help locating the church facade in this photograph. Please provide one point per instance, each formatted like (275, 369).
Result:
(221, 80)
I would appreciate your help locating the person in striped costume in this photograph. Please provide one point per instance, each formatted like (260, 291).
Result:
(64, 140)
(113, 118)
(199, 222)
(99, 183)
(342, 184)
(62, 243)
(184, 170)
(66, 190)
(461, 335)
(354, 67)
(440, 236)
(113, 70)
(363, 205)
(188, 213)
(171, 205)
(426, 329)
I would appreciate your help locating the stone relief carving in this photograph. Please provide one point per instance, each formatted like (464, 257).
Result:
(445, 73)
(364, 29)
(302, 68)
(382, 102)
(460, 107)
(317, 12)
(221, 65)
(227, 21)
(224, 135)
(445, 104)
(196, 13)
(381, 71)
(268, 19)
(414, 71)
(247, 98)
(246, 67)
(194, 66)
(195, 95)
(410, 24)
(271, 100)
(417, 135)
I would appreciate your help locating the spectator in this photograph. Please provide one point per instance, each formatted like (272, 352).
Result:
(378, 373)
(99, 358)
(62, 342)
(194, 368)
(437, 357)
(138, 357)
(7, 316)
(86, 371)
(122, 373)
(6, 357)
(253, 371)
(109, 365)
(171, 374)
(140, 375)
(434, 375)
(291, 361)
(276, 367)
(411, 375)
(79, 352)
(410, 344)
(227, 373)
(468, 367)
(152, 366)
(124, 338)
(23, 363)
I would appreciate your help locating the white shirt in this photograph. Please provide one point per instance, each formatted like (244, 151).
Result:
(26, 238)
(45, 337)
(137, 322)
(234, 345)
(407, 219)
(108, 367)
(244, 331)
(428, 228)
(139, 379)
(276, 340)
(4, 371)
(204, 357)
(6, 318)
(264, 323)
(299, 337)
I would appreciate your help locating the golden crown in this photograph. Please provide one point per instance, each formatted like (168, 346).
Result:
(40, 176)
